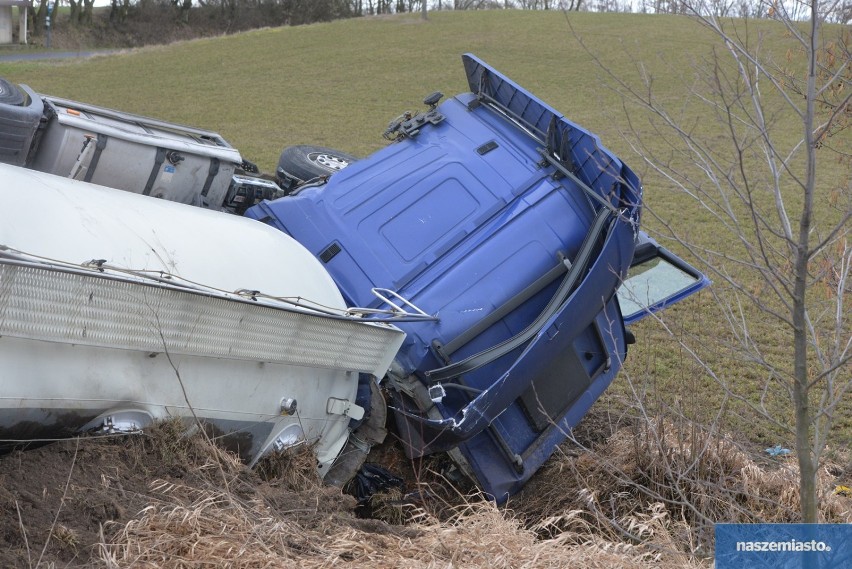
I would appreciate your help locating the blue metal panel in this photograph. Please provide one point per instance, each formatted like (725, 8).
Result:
(472, 220)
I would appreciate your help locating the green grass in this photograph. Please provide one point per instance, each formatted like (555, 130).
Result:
(338, 84)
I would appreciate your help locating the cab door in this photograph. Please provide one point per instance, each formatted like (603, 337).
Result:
(657, 279)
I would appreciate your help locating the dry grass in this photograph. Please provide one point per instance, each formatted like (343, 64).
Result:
(177, 445)
(642, 497)
(209, 529)
(281, 515)
(293, 468)
(665, 475)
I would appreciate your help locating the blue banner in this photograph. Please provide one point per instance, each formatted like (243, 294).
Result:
(783, 546)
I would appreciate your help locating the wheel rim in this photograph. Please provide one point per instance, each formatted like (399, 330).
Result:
(328, 161)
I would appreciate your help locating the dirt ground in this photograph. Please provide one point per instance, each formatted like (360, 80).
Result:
(75, 503)
(161, 499)
(60, 500)
(165, 500)
(62, 491)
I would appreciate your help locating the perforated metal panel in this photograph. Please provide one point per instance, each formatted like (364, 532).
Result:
(72, 307)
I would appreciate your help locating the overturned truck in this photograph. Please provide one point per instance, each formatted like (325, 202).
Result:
(493, 248)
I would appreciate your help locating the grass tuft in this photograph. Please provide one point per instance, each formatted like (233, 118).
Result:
(294, 468)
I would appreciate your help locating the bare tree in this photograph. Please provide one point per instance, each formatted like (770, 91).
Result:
(784, 202)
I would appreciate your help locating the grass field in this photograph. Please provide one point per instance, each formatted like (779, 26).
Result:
(338, 84)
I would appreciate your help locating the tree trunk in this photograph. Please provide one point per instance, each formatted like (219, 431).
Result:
(86, 13)
(185, 8)
(74, 14)
(40, 16)
(801, 380)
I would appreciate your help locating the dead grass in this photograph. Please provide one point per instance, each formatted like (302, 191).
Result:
(207, 529)
(287, 517)
(180, 446)
(294, 468)
(640, 497)
(391, 506)
(672, 481)
(281, 515)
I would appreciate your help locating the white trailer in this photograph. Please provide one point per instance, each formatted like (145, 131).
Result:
(116, 309)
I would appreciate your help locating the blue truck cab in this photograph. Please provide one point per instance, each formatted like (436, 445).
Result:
(518, 233)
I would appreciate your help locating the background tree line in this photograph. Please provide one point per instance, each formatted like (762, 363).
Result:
(235, 15)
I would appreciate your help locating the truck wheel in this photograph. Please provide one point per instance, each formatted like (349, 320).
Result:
(9, 94)
(304, 162)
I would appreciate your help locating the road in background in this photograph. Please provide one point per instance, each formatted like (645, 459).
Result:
(31, 56)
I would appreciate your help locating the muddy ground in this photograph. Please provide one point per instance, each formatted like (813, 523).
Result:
(164, 500)
(62, 501)
(75, 503)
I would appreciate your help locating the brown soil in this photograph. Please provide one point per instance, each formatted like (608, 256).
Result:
(61, 500)
(166, 500)
(55, 499)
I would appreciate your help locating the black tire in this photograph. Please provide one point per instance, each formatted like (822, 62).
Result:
(10, 94)
(305, 162)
